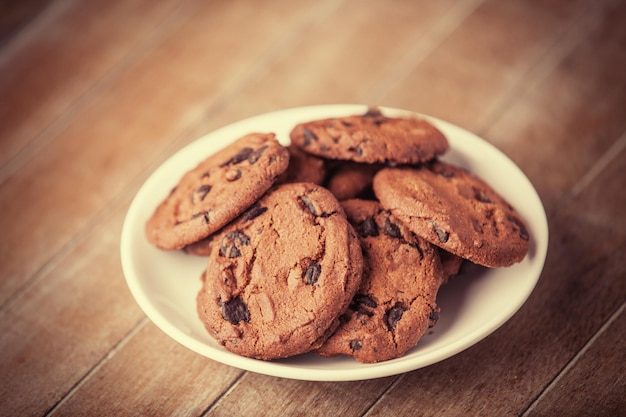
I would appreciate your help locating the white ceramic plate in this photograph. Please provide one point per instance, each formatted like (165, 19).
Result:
(473, 305)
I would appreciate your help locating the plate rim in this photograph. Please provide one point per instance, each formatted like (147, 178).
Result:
(360, 371)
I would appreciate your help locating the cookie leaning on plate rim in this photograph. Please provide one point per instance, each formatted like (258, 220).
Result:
(217, 190)
(468, 151)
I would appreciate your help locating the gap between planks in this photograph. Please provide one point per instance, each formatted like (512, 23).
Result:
(433, 39)
(555, 381)
(596, 169)
(118, 346)
(546, 60)
(88, 96)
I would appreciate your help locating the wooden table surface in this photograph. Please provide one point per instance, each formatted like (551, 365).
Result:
(95, 95)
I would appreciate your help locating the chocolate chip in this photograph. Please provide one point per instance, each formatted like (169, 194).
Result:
(391, 229)
(418, 248)
(254, 156)
(355, 345)
(393, 315)
(523, 233)
(357, 150)
(309, 205)
(235, 311)
(229, 247)
(204, 214)
(253, 212)
(480, 196)
(441, 234)
(200, 193)
(361, 303)
(309, 136)
(478, 228)
(433, 317)
(379, 121)
(367, 227)
(362, 300)
(233, 174)
(444, 172)
(312, 274)
(240, 156)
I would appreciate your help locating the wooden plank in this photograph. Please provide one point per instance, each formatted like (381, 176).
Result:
(479, 64)
(150, 375)
(17, 14)
(575, 113)
(146, 108)
(44, 77)
(66, 324)
(602, 367)
(343, 56)
(262, 395)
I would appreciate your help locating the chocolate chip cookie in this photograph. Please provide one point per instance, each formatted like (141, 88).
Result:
(281, 274)
(371, 137)
(455, 210)
(216, 191)
(395, 303)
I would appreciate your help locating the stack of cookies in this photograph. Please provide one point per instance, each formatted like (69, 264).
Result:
(336, 244)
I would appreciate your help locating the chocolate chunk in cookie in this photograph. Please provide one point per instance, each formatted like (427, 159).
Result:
(456, 211)
(281, 274)
(371, 137)
(395, 303)
(217, 190)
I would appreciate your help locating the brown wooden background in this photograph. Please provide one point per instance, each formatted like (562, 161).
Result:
(94, 95)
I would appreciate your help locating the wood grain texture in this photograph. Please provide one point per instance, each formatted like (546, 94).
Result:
(173, 380)
(290, 398)
(603, 368)
(95, 96)
(42, 78)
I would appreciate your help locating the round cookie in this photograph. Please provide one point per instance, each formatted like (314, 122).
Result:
(395, 303)
(217, 190)
(371, 137)
(456, 211)
(281, 274)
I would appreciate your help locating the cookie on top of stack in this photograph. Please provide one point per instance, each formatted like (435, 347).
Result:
(338, 243)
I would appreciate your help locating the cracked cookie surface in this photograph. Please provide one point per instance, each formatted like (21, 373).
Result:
(455, 210)
(395, 303)
(217, 190)
(279, 276)
(371, 137)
